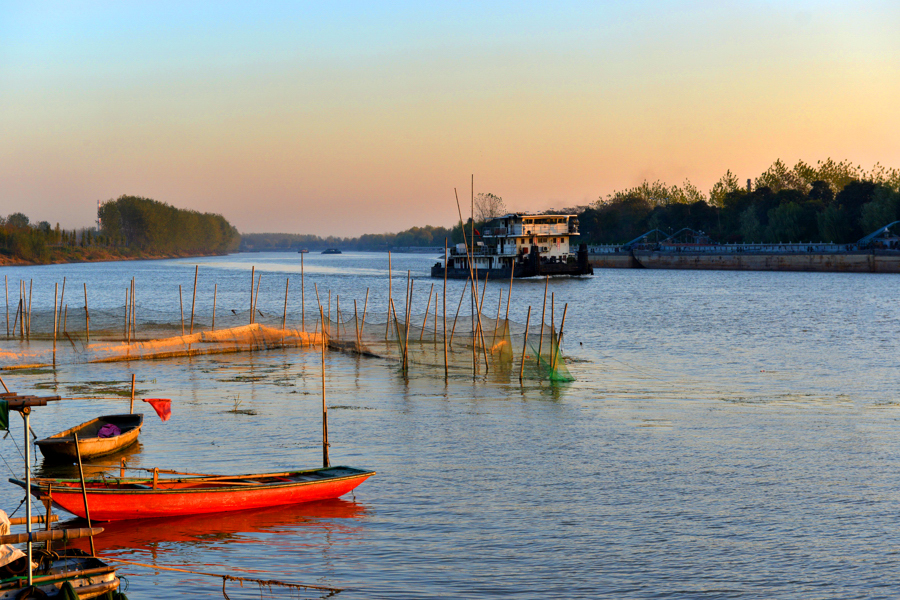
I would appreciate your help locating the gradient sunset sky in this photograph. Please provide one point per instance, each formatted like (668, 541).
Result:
(342, 118)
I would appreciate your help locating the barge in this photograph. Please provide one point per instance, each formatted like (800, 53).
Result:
(520, 245)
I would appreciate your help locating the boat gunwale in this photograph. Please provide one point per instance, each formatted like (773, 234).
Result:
(37, 484)
(68, 437)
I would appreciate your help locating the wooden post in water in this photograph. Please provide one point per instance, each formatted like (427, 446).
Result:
(24, 311)
(6, 286)
(215, 297)
(387, 327)
(329, 309)
(325, 460)
(65, 320)
(461, 298)
(543, 313)
(446, 363)
(256, 296)
(525, 345)
(302, 296)
(512, 270)
(125, 315)
(497, 321)
(194, 301)
(340, 322)
(252, 283)
(559, 337)
(287, 283)
(87, 510)
(133, 309)
(30, 290)
(356, 323)
(427, 306)
(55, 289)
(181, 305)
(365, 308)
(132, 394)
(62, 296)
(87, 317)
(406, 343)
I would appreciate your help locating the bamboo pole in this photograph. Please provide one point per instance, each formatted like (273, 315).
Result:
(62, 296)
(6, 287)
(87, 511)
(525, 345)
(408, 319)
(469, 256)
(133, 309)
(480, 327)
(365, 308)
(194, 300)
(30, 290)
(497, 321)
(132, 394)
(55, 289)
(325, 460)
(256, 296)
(287, 283)
(393, 310)
(329, 309)
(446, 359)
(356, 323)
(16, 317)
(302, 296)
(124, 315)
(22, 309)
(512, 270)
(461, 298)
(543, 313)
(87, 316)
(215, 297)
(427, 306)
(65, 321)
(252, 282)
(340, 321)
(434, 335)
(387, 327)
(181, 304)
(559, 337)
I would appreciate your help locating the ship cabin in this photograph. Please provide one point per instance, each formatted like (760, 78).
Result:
(530, 244)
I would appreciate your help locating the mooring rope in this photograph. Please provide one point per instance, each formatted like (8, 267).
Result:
(332, 590)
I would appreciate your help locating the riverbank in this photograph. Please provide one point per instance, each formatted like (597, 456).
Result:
(93, 254)
(868, 261)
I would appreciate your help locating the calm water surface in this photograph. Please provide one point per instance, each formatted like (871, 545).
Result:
(729, 435)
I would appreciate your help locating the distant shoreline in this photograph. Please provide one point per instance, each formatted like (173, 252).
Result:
(86, 255)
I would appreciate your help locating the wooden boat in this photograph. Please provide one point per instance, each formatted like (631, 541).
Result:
(114, 499)
(62, 445)
(89, 576)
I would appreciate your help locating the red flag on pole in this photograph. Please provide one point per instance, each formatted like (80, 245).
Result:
(162, 406)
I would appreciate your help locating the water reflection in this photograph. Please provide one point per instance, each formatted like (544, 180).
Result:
(236, 527)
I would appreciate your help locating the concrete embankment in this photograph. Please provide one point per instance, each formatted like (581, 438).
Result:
(849, 262)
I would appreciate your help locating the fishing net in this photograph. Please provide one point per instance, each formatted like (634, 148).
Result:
(487, 345)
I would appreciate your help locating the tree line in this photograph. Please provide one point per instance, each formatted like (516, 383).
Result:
(831, 202)
(156, 227)
(131, 227)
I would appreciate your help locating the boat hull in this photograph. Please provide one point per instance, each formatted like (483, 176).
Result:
(197, 495)
(91, 578)
(61, 447)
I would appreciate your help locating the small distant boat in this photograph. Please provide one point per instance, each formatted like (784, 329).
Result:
(61, 447)
(114, 499)
(303, 251)
(331, 251)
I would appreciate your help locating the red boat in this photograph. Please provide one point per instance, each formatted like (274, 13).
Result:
(114, 499)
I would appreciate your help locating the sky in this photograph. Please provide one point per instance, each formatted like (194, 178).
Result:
(343, 118)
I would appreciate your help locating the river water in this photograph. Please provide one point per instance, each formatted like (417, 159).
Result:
(728, 435)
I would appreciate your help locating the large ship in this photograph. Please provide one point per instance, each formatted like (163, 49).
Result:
(528, 244)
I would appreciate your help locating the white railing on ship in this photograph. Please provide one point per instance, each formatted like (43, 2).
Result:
(727, 248)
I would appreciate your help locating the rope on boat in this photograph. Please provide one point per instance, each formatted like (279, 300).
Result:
(225, 578)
